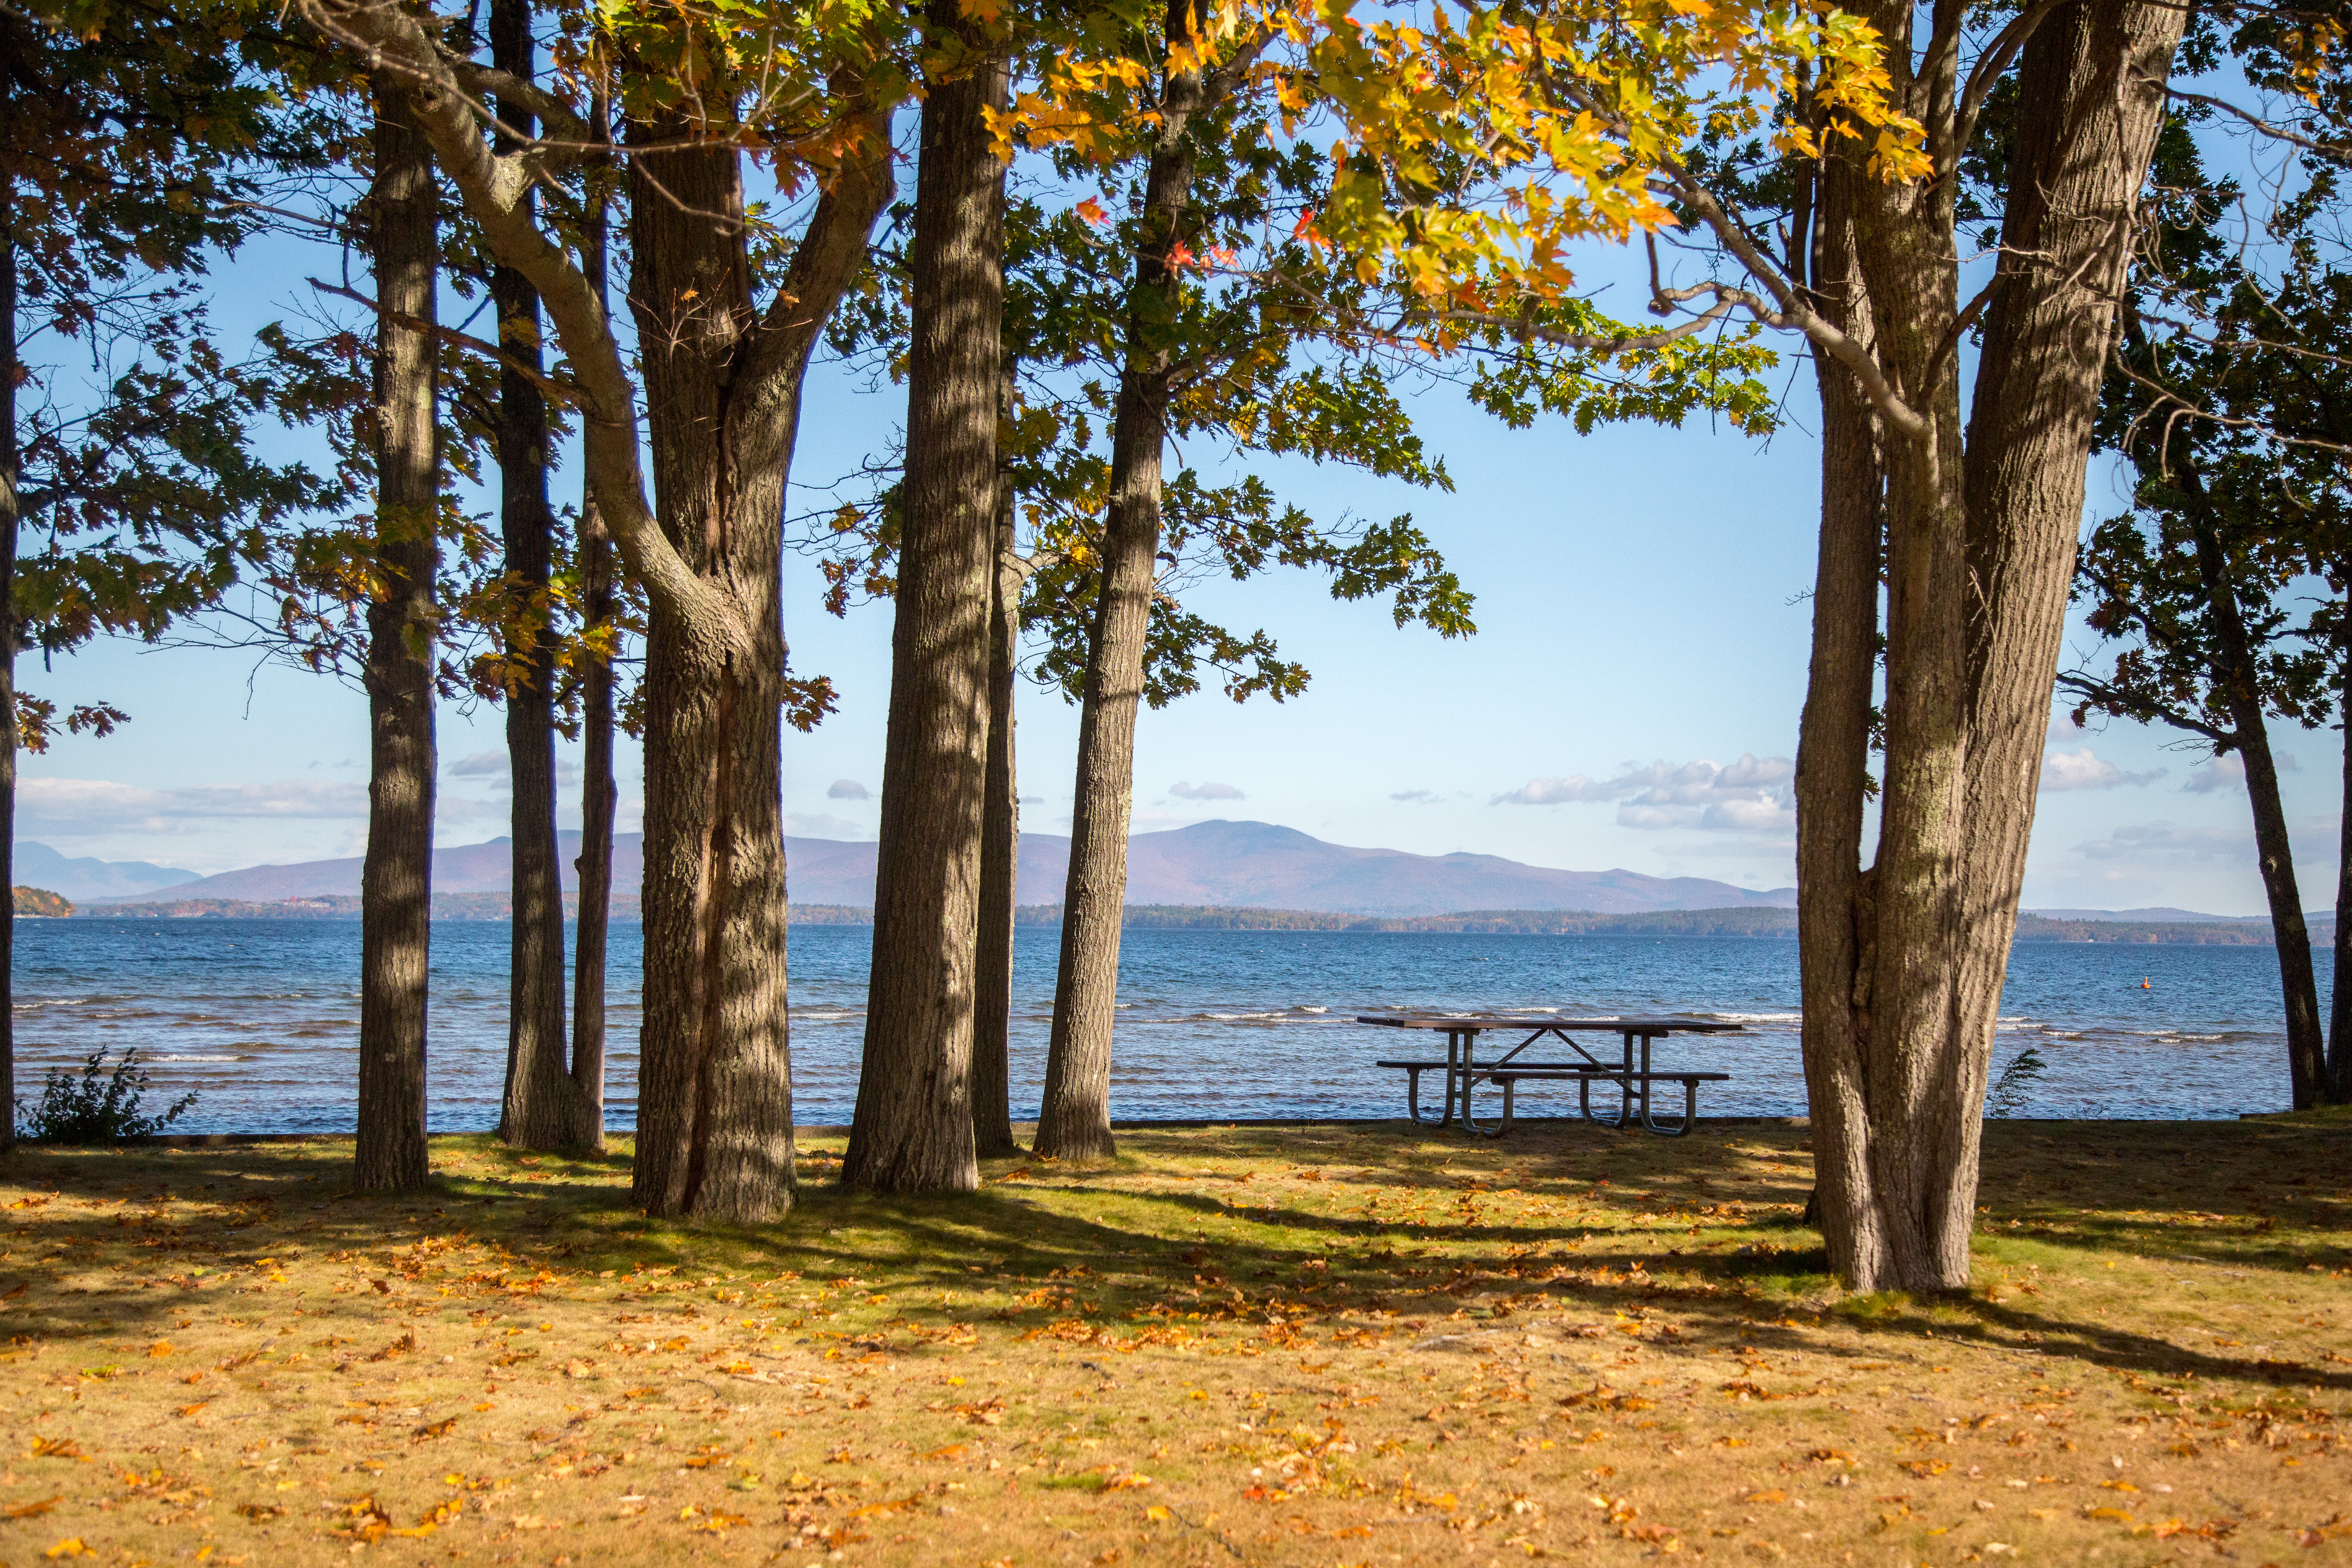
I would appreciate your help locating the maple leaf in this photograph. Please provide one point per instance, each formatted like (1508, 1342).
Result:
(1092, 211)
(1180, 255)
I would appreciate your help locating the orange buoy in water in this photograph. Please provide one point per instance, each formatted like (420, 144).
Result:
(2143, 984)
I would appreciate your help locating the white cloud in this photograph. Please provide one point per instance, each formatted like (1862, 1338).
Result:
(2157, 841)
(818, 825)
(1557, 792)
(848, 789)
(1417, 797)
(480, 765)
(1751, 796)
(1204, 791)
(2228, 772)
(90, 805)
(2084, 769)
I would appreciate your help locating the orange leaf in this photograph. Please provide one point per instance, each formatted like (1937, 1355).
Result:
(1091, 210)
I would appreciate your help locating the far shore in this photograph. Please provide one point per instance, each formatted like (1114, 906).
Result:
(1761, 924)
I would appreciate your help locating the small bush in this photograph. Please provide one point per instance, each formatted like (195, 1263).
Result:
(97, 1106)
(2015, 1082)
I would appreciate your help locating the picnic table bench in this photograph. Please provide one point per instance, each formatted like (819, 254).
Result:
(1464, 1071)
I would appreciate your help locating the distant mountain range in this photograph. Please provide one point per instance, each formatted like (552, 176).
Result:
(1229, 865)
(84, 879)
(1249, 865)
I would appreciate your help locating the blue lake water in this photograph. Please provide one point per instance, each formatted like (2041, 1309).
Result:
(261, 1017)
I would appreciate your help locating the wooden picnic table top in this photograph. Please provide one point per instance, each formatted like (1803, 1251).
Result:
(1653, 1024)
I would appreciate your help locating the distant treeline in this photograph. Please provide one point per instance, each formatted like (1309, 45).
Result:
(1766, 923)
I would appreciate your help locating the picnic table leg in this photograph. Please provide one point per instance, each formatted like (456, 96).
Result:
(1645, 1081)
(1584, 1100)
(1690, 1113)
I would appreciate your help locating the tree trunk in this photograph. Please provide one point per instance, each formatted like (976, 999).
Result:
(2306, 1054)
(1833, 908)
(1074, 1123)
(598, 793)
(537, 1108)
(1976, 599)
(396, 879)
(714, 1106)
(2091, 102)
(9, 519)
(2339, 1023)
(721, 388)
(1000, 840)
(912, 1130)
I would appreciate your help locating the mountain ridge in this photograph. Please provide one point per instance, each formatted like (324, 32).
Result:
(1247, 865)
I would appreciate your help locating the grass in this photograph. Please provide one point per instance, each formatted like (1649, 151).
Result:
(1324, 1346)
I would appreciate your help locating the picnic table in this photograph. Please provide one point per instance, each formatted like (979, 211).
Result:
(1633, 1079)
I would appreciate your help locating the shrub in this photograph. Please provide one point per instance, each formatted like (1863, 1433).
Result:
(2015, 1082)
(98, 1106)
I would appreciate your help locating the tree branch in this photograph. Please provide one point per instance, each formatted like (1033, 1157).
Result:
(493, 188)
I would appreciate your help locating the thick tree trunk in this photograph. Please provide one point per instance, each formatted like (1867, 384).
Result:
(913, 1125)
(396, 879)
(1074, 1123)
(1976, 599)
(598, 793)
(714, 1107)
(999, 843)
(2091, 101)
(537, 1110)
(9, 519)
(1833, 908)
(2239, 682)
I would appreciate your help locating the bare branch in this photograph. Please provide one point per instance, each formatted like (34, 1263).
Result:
(2335, 150)
(563, 391)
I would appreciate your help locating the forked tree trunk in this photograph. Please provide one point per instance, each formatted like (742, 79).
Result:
(10, 515)
(396, 878)
(1976, 600)
(912, 1130)
(722, 393)
(1074, 1123)
(598, 793)
(999, 841)
(537, 1110)
(2241, 685)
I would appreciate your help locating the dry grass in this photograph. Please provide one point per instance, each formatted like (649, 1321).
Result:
(1323, 1345)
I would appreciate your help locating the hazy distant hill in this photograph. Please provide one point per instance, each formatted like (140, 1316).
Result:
(82, 878)
(1251, 865)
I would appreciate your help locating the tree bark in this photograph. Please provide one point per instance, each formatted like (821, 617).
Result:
(912, 1130)
(537, 1108)
(1979, 553)
(10, 515)
(2339, 1023)
(1074, 1123)
(714, 1107)
(2305, 1049)
(1834, 912)
(999, 839)
(396, 878)
(598, 793)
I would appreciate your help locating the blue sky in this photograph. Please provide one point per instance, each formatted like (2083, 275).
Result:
(1630, 699)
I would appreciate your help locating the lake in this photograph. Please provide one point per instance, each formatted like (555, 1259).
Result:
(261, 1017)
